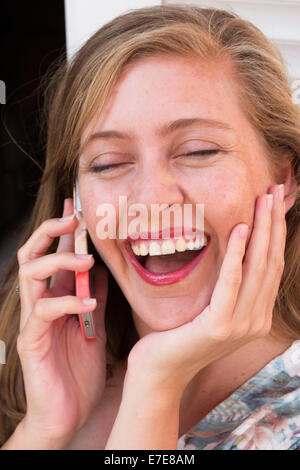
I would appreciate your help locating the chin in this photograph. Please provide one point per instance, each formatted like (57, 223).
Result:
(168, 314)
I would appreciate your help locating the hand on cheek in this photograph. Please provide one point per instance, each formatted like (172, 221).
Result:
(240, 309)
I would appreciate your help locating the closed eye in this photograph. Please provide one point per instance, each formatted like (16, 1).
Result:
(99, 168)
(200, 152)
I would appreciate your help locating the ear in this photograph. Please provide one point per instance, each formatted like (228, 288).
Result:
(287, 177)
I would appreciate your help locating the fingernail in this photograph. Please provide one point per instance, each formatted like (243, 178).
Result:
(83, 256)
(88, 301)
(243, 231)
(269, 201)
(65, 219)
(281, 192)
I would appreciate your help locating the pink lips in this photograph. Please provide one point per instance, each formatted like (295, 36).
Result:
(163, 279)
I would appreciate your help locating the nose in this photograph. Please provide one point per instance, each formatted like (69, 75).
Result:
(156, 189)
(157, 185)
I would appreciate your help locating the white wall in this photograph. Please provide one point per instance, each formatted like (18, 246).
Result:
(84, 17)
(279, 20)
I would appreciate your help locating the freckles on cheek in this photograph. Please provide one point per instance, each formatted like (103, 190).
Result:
(224, 198)
(89, 204)
(230, 201)
(92, 198)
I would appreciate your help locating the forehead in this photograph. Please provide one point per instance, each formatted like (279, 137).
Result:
(155, 90)
(184, 76)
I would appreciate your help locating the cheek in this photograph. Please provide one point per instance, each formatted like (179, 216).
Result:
(228, 200)
(101, 217)
(98, 205)
(94, 193)
(227, 196)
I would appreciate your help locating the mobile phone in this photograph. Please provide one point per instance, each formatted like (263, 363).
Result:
(83, 280)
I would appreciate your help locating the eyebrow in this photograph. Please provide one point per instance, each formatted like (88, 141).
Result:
(167, 128)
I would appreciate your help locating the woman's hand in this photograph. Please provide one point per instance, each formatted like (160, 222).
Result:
(240, 309)
(64, 374)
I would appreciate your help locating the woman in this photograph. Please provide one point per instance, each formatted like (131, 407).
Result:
(198, 108)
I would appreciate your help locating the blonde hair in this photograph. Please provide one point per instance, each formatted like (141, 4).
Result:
(77, 93)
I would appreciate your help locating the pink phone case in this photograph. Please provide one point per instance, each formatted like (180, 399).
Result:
(83, 280)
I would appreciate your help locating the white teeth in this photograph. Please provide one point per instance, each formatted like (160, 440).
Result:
(135, 250)
(180, 245)
(144, 249)
(198, 243)
(167, 246)
(190, 245)
(154, 249)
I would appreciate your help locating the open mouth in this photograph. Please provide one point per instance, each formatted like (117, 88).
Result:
(166, 263)
(163, 262)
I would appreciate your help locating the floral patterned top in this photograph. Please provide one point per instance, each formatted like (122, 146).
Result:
(263, 414)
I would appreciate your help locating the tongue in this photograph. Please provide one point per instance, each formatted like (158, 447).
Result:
(169, 263)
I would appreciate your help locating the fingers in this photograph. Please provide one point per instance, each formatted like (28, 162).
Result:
(45, 311)
(39, 307)
(35, 248)
(227, 287)
(262, 269)
(255, 262)
(242, 302)
(41, 239)
(62, 282)
(41, 268)
(246, 291)
(278, 232)
(275, 264)
(33, 275)
(66, 242)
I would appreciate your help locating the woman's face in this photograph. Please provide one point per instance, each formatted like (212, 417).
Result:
(150, 94)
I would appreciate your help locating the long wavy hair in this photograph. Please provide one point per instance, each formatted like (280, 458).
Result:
(76, 93)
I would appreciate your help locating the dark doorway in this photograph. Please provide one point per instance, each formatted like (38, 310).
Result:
(32, 39)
